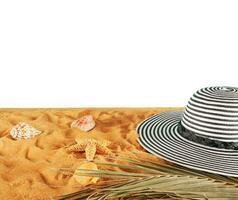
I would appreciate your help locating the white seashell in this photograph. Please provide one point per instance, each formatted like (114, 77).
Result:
(23, 131)
(85, 180)
(85, 123)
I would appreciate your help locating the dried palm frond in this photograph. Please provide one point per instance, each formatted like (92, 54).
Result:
(155, 181)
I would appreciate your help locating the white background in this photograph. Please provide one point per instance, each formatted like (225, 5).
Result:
(114, 53)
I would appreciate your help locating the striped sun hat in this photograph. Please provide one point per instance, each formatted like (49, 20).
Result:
(204, 136)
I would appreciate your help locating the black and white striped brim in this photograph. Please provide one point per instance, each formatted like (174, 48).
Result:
(211, 115)
(160, 136)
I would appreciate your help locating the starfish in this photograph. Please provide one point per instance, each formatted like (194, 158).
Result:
(90, 147)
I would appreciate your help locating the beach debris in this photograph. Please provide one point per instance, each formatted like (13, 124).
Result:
(85, 123)
(23, 131)
(90, 147)
(85, 180)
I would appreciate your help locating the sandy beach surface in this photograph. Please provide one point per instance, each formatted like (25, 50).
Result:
(28, 167)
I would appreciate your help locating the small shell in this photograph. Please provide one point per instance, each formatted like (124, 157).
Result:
(86, 180)
(23, 131)
(85, 123)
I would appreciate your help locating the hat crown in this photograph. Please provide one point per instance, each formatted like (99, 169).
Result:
(213, 112)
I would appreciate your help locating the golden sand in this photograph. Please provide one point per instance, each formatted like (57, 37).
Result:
(28, 168)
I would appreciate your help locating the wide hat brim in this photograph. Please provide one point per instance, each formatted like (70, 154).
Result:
(159, 135)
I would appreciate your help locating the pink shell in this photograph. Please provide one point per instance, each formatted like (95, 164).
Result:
(85, 123)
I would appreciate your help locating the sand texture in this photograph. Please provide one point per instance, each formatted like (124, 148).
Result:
(28, 167)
